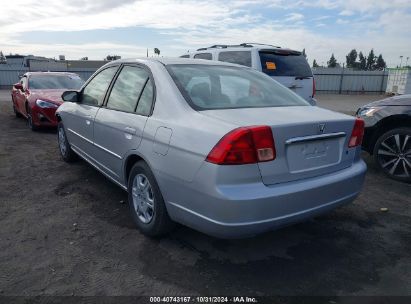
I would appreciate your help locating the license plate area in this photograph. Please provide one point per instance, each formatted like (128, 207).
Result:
(313, 154)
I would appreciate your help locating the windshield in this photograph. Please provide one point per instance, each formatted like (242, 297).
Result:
(218, 87)
(285, 64)
(45, 82)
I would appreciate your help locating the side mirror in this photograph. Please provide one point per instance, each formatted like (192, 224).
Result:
(18, 86)
(72, 96)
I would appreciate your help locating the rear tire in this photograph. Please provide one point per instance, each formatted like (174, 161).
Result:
(67, 154)
(392, 154)
(146, 203)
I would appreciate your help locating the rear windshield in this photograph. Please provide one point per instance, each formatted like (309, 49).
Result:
(286, 64)
(44, 82)
(224, 87)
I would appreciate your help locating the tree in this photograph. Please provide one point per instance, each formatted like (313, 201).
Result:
(363, 62)
(371, 60)
(304, 54)
(332, 63)
(3, 59)
(157, 51)
(315, 64)
(351, 59)
(380, 63)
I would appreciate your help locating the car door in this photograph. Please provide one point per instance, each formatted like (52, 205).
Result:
(20, 96)
(79, 125)
(119, 126)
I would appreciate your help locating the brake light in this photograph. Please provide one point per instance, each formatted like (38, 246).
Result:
(357, 133)
(245, 145)
(314, 88)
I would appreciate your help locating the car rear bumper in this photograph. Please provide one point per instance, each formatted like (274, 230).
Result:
(249, 209)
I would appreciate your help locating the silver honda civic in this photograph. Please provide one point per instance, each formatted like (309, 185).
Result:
(218, 147)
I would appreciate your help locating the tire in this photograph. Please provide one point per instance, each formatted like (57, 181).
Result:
(67, 154)
(392, 154)
(146, 203)
(30, 123)
(17, 113)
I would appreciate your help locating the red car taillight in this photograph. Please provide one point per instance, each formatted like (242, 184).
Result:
(313, 86)
(357, 133)
(246, 145)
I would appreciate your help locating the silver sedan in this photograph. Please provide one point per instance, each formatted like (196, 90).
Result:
(215, 146)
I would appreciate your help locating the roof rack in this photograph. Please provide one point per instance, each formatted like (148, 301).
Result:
(255, 43)
(224, 46)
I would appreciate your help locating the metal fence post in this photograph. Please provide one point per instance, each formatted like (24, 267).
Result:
(382, 81)
(341, 81)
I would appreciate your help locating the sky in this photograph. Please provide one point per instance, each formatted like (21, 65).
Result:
(79, 28)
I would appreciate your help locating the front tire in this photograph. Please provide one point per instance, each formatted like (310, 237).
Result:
(392, 154)
(146, 203)
(67, 154)
(30, 123)
(17, 113)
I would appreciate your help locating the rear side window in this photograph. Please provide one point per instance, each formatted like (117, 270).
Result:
(206, 56)
(127, 89)
(238, 57)
(146, 99)
(285, 64)
(185, 56)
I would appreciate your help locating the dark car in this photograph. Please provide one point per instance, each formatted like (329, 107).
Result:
(388, 135)
(38, 95)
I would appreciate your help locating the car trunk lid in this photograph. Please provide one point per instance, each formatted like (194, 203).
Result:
(309, 141)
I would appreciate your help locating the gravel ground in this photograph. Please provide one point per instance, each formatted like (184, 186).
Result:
(65, 230)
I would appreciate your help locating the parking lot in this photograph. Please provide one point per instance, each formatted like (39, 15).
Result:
(65, 230)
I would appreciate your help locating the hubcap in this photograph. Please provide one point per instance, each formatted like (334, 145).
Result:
(394, 155)
(62, 142)
(143, 198)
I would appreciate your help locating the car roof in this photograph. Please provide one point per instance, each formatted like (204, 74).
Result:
(49, 73)
(168, 61)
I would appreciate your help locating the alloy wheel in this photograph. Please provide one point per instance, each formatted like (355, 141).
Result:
(143, 198)
(62, 141)
(394, 155)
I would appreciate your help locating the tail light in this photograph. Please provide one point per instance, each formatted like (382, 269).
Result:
(246, 145)
(357, 133)
(314, 88)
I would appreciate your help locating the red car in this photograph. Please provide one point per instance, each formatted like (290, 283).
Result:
(38, 95)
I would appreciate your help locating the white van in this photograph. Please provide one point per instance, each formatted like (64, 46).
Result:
(288, 67)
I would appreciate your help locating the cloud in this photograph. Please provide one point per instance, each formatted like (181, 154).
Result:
(346, 13)
(190, 24)
(294, 17)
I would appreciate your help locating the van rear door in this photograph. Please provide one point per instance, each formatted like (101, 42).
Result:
(291, 69)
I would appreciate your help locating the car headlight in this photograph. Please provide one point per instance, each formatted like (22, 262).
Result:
(45, 104)
(368, 111)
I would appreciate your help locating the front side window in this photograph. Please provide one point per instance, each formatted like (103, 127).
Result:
(219, 87)
(49, 82)
(94, 92)
(237, 57)
(206, 56)
(127, 88)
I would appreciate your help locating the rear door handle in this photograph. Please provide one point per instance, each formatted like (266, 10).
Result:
(129, 130)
